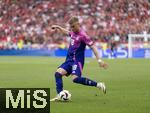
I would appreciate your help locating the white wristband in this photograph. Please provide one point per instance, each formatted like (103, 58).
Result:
(99, 60)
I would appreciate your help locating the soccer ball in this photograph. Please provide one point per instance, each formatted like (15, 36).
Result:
(65, 95)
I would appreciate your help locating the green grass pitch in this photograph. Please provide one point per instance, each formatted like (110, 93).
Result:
(127, 81)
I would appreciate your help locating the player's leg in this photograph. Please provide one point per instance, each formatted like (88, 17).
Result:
(83, 80)
(77, 78)
(58, 79)
(76, 75)
(64, 69)
(59, 82)
(89, 82)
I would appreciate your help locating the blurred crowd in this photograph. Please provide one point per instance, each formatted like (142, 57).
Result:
(26, 23)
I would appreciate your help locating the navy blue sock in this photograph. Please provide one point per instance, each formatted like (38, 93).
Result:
(85, 81)
(59, 82)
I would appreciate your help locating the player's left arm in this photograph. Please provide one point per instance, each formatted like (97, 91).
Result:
(100, 61)
(90, 43)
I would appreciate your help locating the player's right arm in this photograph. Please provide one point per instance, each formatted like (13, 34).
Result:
(63, 30)
(100, 61)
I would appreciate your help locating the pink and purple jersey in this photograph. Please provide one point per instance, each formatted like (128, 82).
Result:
(77, 46)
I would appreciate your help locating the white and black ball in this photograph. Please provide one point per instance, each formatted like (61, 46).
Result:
(65, 95)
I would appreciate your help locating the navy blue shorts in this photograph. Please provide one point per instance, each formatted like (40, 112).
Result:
(73, 68)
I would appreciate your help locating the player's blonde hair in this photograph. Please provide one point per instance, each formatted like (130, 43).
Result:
(73, 20)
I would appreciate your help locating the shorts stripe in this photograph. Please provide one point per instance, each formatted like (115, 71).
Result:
(80, 66)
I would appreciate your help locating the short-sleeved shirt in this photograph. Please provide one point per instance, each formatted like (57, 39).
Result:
(75, 57)
(77, 45)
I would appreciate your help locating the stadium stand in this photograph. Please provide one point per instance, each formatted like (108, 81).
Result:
(26, 24)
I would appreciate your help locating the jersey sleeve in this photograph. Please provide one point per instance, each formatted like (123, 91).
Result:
(87, 40)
